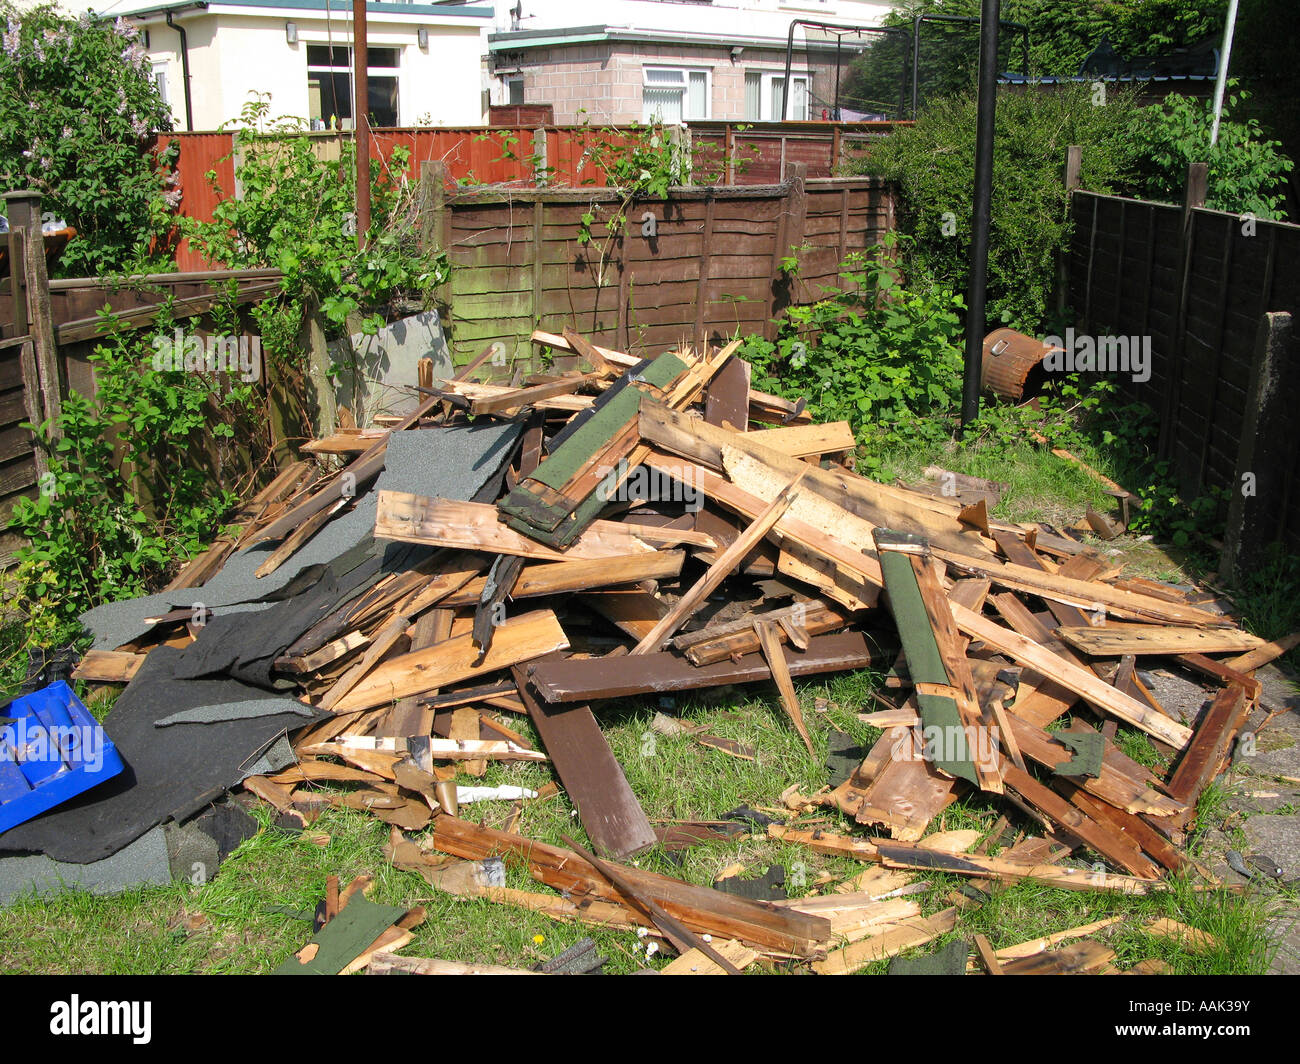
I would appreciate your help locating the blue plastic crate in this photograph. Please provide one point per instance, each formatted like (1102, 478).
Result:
(53, 751)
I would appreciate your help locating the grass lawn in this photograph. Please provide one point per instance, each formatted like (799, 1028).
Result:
(237, 923)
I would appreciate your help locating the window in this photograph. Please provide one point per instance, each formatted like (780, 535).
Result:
(160, 79)
(765, 97)
(514, 90)
(674, 94)
(329, 85)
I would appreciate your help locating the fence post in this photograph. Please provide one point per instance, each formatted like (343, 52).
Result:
(24, 212)
(434, 227)
(789, 234)
(320, 386)
(1073, 163)
(540, 176)
(1193, 197)
(1256, 509)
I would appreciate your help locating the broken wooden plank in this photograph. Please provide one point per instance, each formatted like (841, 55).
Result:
(1210, 744)
(1116, 848)
(770, 646)
(1113, 640)
(556, 578)
(853, 578)
(901, 855)
(719, 641)
(1262, 655)
(523, 638)
(519, 397)
(581, 680)
(108, 666)
(702, 909)
(1092, 596)
(805, 441)
(476, 526)
(904, 936)
(690, 602)
(1086, 684)
(611, 815)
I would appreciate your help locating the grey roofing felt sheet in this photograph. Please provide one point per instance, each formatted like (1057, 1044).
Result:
(169, 773)
(235, 711)
(142, 862)
(450, 463)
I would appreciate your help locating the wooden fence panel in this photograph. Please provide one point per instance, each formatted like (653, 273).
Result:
(1127, 276)
(710, 267)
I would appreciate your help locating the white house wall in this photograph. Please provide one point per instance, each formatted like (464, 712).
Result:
(232, 56)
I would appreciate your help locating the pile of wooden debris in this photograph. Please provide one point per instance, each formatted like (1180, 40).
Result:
(638, 497)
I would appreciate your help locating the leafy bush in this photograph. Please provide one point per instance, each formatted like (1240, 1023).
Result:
(78, 110)
(883, 357)
(933, 164)
(296, 212)
(127, 491)
(1245, 171)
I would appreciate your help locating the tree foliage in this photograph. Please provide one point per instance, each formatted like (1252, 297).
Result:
(933, 164)
(1246, 172)
(78, 111)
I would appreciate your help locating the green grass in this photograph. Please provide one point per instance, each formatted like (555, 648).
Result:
(229, 924)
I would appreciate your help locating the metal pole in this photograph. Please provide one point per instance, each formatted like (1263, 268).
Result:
(981, 210)
(1221, 78)
(785, 91)
(916, 64)
(361, 118)
(839, 40)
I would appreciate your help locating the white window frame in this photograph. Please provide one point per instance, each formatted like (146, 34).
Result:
(766, 80)
(395, 72)
(686, 72)
(507, 82)
(159, 69)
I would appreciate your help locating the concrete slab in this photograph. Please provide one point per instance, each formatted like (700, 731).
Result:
(377, 374)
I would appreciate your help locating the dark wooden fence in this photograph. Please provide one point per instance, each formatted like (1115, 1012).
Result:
(48, 330)
(1199, 283)
(703, 262)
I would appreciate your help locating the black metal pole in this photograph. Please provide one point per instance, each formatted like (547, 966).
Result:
(785, 90)
(980, 212)
(361, 117)
(916, 64)
(839, 40)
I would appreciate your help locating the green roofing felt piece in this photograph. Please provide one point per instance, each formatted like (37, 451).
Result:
(585, 436)
(945, 737)
(344, 938)
(951, 960)
(1088, 749)
(843, 756)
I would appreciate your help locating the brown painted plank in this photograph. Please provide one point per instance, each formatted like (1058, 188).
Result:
(611, 815)
(702, 909)
(584, 679)
(1116, 848)
(1210, 744)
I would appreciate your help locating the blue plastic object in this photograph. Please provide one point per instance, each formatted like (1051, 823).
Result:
(52, 751)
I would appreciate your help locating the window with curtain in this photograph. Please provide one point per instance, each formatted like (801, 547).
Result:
(765, 96)
(753, 96)
(674, 94)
